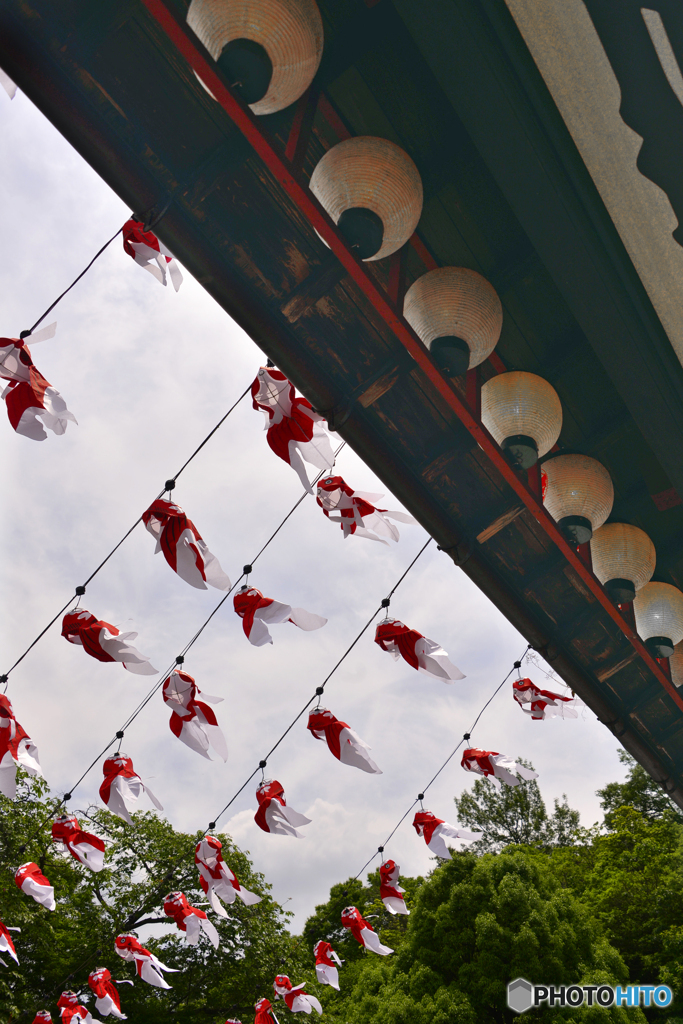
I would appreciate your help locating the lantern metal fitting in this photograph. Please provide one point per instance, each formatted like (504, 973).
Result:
(372, 190)
(578, 494)
(457, 314)
(523, 414)
(624, 560)
(269, 50)
(659, 618)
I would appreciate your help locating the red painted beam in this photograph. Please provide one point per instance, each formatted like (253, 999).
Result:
(297, 189)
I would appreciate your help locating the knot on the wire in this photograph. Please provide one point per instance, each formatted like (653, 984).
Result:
(80, 591)
(3, 678)
(246, 569)
(119, 734)
(319, 691)
(22, 848)
(270, 364)
(386, 601)
(380, 849)
(25, 334)
(262, 764)
(518, 664)
(420, 797)
(180, 660)
(212, 825)
(67, 796)
(465, 735)
(169, 485)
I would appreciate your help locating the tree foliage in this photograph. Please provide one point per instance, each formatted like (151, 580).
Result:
(639, 791)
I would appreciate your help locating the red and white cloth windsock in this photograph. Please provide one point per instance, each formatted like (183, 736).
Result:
(193, 721)
(363, 932)
(83, 846)
(150, 253)
(42, 1017)
(422, 654)
(295, 432)
(495, 767)
(189, 920)
(147, 966)
(264, 1012)
(107, 999)
(326, 964)
(258, 612)
(103, 641)
(342, 741)
(273, 814)
(32, 403)
(33, 882)
(216, 878)
(183, 547)
(122, 785)
(16, 747)
(6, 943)
(294, 996)
(390, 892)
(357, 514)
(543, 703)
(435, 832)
(71, 1011)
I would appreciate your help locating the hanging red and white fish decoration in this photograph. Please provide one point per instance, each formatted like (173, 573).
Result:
(435, 832)
(84, 847)
(42, 1017)
(122, 785)
(6, 943)
(258, 612)
(216, 878)
(421, 654)
(183, 547)
(295, 432)
(193, 721)
(32, 403)
(363, 932)
(294, 996)
(264, 1012)
(103, 641)
(107, 999)
(543, 703)
(71, 1011)
(327, 964)
(357, 514)
(16, 747)
(150, 253)
(495, 767)
(147, 965)
(342, 741)
(273, 814)
(33, 882)
(189, 920)
(390, 892)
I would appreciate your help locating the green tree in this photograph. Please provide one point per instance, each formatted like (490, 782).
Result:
(639, 791)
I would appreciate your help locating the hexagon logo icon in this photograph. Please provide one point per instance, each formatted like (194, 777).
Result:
(520, 995)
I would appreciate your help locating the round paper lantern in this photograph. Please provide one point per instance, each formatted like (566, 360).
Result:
(269, 50)
(523, 414)
(578, 494)
(372, 190)
(623, 560)
(457, 315)
(659, 618)
(676, 665)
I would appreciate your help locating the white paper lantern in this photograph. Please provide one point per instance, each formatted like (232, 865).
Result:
(578, 494)
(659, 617)
(269, 50)
(623, 558)
(457, 314)
(676, 665)
(523, 414)
(372, 190)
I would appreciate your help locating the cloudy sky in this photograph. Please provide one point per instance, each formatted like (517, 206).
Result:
(147, 373)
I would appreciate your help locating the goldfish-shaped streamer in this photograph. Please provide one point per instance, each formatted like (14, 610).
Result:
(363, 932)
(543, 703)
(150, 253)
(103, 641)
(495, 767)
(390, 892)
(147, 966)
(33, 882)
(183, 547)
(326, 964)
(435, 831)
(342, 741)
(42, 1017)
(216, 878)
(189, 920)
(107, 999)
(71, 1011)
(6, 943)
(16, 747)
(264, 1012)
(422, 654)
(294, 996)
(256, 611)
(193, 721)
(122, 785)
(295, 432)
(84, 847)
(32, 403)
(273, 814)
(357, 514)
